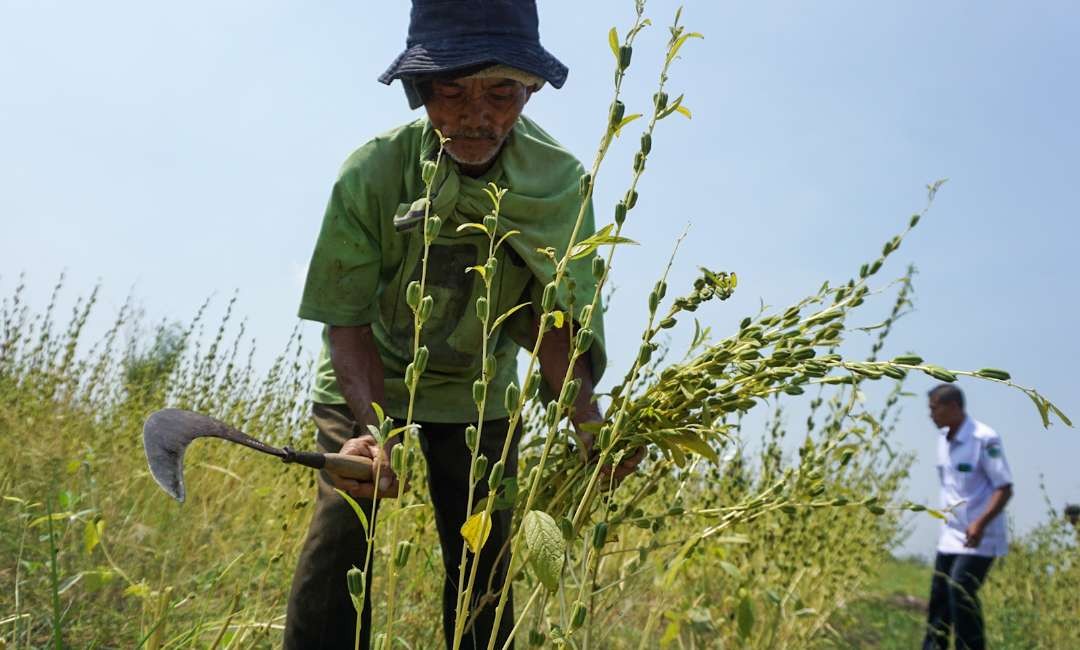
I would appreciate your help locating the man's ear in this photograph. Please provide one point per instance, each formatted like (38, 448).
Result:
(529, 90)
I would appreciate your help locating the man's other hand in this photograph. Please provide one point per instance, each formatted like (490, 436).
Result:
(368, 447)
(974, 535)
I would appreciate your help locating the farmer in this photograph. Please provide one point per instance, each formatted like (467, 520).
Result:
(472, 65)
(976, 483)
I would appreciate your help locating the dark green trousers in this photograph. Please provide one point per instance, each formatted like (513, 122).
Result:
(321, 614)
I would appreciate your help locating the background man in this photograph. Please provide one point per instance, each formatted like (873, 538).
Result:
(473, 65)
(976, 483)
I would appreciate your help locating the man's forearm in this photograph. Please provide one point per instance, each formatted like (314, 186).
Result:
(554, 356)
(998, 499)
(359, 370)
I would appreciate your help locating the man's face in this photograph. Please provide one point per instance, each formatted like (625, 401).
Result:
(477, 115)
(945, 414)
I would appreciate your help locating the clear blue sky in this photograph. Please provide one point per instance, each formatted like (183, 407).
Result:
(178, 150)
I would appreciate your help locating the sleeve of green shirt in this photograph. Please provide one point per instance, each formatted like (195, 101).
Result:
(343, 276)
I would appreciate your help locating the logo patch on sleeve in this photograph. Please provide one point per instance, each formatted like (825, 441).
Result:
(993, 451)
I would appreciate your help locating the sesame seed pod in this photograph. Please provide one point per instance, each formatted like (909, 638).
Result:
(570, 392)
(599, 535)
(427, 303)
(401, 555)
(547, 303)
(412, 295)
(479, 388)
(646, 143)
(578, 618)
(598, 267)
(618, 109)
(585, 184)
(496, 476)
(490, 221)
(620, 213)
(584, 340)
(420, 359)
(427, 171)
(513, 395)
(397, 459)
(482, 308)
(472, 438)
(532, 384)
(355, 580)
(626, 52)
(431, 228)
(480, 466)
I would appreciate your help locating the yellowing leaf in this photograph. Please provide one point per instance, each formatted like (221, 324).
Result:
(560, 318)
(679, 43)
(475, 531)
(683, 110)
(92, 535)
(547, 548)
(626, 120)
(474, 226)
(479, 269)
(613, 42)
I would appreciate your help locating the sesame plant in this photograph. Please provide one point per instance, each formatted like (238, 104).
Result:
(722, 538)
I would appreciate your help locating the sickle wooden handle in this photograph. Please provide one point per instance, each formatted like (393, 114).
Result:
(355, 467)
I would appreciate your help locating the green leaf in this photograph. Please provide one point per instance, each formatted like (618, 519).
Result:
(379, 414)
(602, 237)
(745, 617)
(507, 314)
(475, 530)
(508, 235)
(613, 42)
(690, 442)
(357, 509)
(1061, 416)
(1040, 404)
(547, 548)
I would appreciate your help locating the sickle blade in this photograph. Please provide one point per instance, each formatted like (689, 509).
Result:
(167, 434)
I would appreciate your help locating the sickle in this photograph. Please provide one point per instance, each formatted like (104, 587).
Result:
(167, 434)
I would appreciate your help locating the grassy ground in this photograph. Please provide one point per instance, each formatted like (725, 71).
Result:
(891, 611)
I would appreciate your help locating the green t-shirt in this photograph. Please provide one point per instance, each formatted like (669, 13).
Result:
(362, 265)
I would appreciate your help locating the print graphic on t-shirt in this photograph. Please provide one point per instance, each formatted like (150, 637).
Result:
(450, 288)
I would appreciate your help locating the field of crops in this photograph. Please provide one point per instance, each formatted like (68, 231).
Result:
(731, 534)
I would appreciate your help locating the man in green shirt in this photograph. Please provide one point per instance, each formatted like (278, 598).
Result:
(473, 65)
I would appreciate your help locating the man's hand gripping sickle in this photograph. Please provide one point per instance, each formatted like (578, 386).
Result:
(366, 445)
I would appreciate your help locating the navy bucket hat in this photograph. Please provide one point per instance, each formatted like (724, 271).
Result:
(450, 36)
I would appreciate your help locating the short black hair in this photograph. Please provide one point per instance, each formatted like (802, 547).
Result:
(947, 394)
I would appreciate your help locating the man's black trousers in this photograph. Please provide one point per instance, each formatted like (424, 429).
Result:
(321, 614)
(954, 602)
